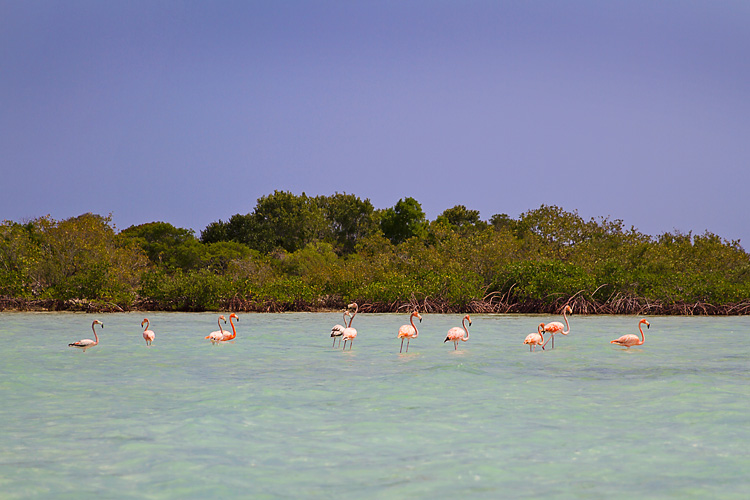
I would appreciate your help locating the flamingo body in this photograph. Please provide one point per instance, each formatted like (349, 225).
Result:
(457, 334)
(86, 343)
(409, 332)
(557, 327)
(148, 335)
(338, 330)
(349, 333)
(536, 338)
(217, 336)
(630, 340)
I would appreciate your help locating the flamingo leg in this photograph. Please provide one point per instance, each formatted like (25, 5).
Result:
(350, 344)
(402, 346)
(407, 345)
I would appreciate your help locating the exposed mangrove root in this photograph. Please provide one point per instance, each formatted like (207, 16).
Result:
(493, 303)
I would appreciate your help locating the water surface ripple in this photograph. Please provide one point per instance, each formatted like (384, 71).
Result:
(278, 413)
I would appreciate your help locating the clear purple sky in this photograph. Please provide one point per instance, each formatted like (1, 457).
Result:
(187, 112)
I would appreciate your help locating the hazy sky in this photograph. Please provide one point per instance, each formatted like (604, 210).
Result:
(187, 112)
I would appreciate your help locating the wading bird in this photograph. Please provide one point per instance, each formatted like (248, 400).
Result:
(148, 335)
(409, 332)
(219, 335)
(350, 333)
(535, 339)
(630, 339)
(338, 330)
(227, 335)
(86, 343)
(557, 327)
(455, 334)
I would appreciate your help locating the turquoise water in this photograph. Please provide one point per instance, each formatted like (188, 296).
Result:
(278, 413)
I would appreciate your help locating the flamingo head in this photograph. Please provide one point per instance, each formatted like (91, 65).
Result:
(145, 320)
(97, 322)
(569, 309)
(468, 318)
(234, 316)
(540, 328)
(648, 325)
(222, 318)
(353, 305)
(416, 315)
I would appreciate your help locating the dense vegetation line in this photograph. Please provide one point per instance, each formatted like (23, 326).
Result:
(301, 253)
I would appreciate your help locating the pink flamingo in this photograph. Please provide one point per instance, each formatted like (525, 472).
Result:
(219, 335)
(227, 336)
(535, 339)
(86, 343)
(148, 335)
(350, 333)
(630, 339)
(557, 327)
(409, 332)
(338, 330)
(455, 334)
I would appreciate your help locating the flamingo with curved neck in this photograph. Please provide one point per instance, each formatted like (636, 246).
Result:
(557, 327)
(409, 332)
(456, 334)
(218, 335)
(350, 333)
(227, 336)
(338, 330)
(535, 339)
(630, 340)
(86, 343)
(148, 335)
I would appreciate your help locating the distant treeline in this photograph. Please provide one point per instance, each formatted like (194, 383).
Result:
(301, 253)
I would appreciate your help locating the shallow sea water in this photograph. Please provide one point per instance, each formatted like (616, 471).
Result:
(279, 413)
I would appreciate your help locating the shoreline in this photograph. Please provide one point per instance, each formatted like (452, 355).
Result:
(631, 306)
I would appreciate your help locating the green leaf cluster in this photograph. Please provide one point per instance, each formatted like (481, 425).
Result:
(301, 252)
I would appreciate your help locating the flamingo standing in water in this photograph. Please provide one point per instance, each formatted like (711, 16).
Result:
(455, 334)
(148, 335)
(630, 339)
(227, 335)
(350, 333)
(338, 330)
(409, 332)
(219, 335)
(86, 343)
(557, 327)
(535, 339)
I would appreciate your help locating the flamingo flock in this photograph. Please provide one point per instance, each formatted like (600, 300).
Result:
(406, 332)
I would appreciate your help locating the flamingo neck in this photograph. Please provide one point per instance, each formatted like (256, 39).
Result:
(463, 323)
(96, 337)
(234, 332)
(147, 323)
(643, 337)
(565, 311)
(351, 318)
(416, 332)
(219, 323)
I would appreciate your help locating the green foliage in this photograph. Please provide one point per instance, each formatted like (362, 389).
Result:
(403, 221)
(80, 257)
(167, 245)
(349, 219)
(297, 252)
